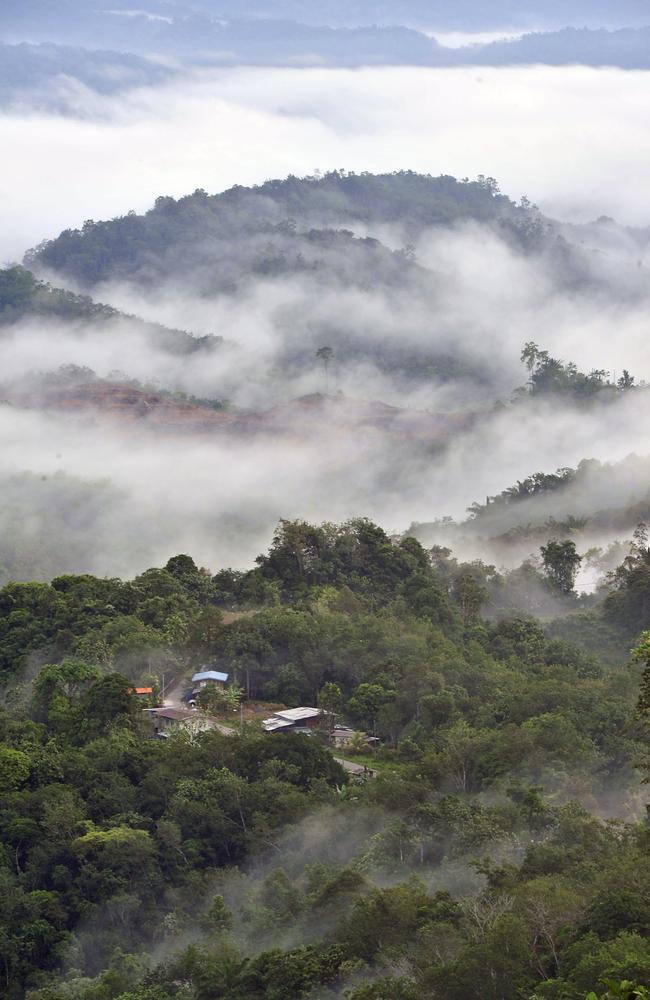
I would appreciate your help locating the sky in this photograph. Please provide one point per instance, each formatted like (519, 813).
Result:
(574, 140)
(458, 39)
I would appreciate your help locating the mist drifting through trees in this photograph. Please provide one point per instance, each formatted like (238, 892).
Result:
(324, 386)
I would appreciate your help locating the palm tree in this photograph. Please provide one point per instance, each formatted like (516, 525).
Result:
(325, 354)
(357, 744)
(233, 696)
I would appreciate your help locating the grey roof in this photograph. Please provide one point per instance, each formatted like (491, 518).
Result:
(353, 768)
(210, 675)
(171, 713)
(296, 714)
(182, 715)
(272, 725)
(287, 718)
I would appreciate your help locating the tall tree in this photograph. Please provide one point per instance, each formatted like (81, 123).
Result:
(325, 355)
(561, 564)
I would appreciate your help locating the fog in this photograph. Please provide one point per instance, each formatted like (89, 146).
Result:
(245, 125)
(273, 327)
(217, 493)
(124, 493)
(459, 39)
(376, 371)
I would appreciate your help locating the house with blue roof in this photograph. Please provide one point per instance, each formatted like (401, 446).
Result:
(209, 678)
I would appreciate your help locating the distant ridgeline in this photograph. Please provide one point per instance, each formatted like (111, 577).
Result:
(106, 49)
(33, 72)
(467, 15)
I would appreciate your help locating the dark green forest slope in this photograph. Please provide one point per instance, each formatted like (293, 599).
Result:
(480, 863)
(282, 226)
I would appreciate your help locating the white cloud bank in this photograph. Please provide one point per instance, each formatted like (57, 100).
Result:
(575, 140)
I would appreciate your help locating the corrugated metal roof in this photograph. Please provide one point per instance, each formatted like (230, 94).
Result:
(171, 713)
(210, 675)
(296, 714)
(272, 725)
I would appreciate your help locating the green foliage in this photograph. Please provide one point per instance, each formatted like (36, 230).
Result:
(116, 846)
(625, 990)
(642, 652)
(264, 217)
(14, 769)
(551, 377)
(628, 605)
(561, 563)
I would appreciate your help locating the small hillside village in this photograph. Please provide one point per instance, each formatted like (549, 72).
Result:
(189, 708)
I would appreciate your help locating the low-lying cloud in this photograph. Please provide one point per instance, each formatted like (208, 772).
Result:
(535, 129)
(218, 496)
(218, 493)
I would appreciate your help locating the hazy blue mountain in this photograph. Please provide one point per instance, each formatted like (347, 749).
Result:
(29, 72)
(628, 48)
(199, 37)
(466, 15)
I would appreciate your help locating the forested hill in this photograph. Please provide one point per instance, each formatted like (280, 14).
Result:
(24, 297)
(479, 863)
(597, 504)
(295, 217)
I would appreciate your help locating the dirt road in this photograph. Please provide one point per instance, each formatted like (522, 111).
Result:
(174, 699)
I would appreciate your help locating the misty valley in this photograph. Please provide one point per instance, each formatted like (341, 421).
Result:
(324, 500)
(374, 336)
(336, 371)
